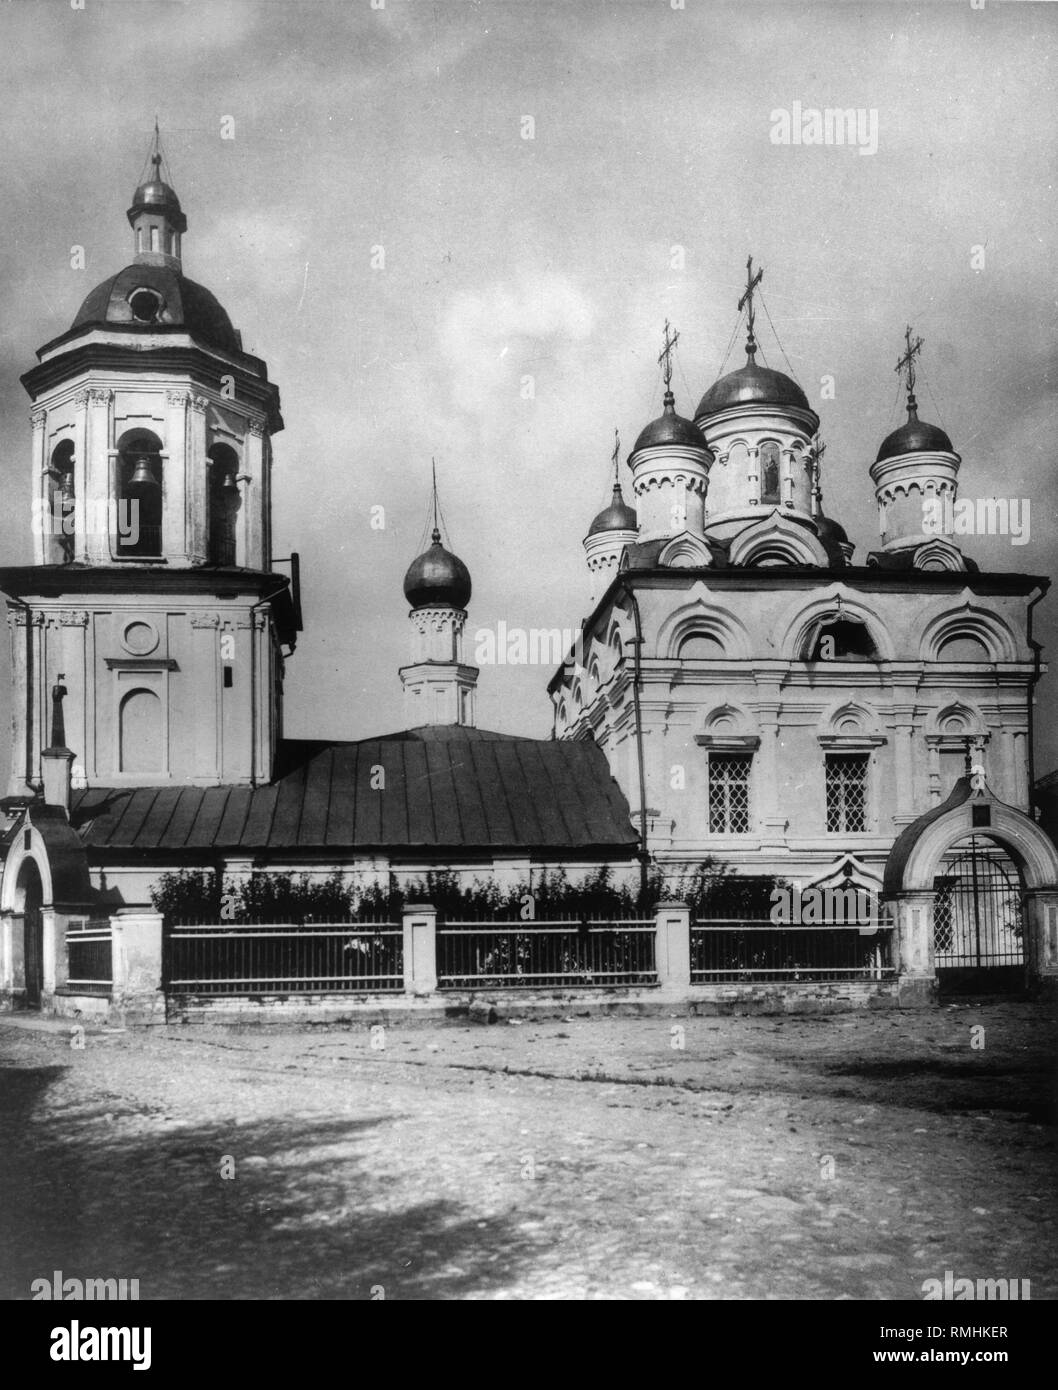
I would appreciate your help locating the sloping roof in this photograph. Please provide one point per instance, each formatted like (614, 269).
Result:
(458, 788)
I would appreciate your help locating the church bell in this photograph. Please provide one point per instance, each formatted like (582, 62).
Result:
(142, 478)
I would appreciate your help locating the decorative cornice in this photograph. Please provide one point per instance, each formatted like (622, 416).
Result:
(100, 395)
(198, 403)
(177, 398)
(73, 617)
(37, 417)
(205, 620)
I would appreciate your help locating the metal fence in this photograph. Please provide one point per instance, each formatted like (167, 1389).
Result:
(283, 957)
(725, 951)
(89, 955)
(541, 955)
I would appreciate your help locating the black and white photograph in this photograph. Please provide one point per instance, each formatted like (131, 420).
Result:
(527, 742)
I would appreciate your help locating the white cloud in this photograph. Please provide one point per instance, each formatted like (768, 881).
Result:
(539, 322)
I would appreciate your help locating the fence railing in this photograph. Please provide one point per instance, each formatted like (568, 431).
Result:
(725, 951)
(89, 955)
(541, 955)
(284, 958)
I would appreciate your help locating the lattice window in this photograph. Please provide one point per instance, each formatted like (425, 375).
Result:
(847, 791)
(729, 793)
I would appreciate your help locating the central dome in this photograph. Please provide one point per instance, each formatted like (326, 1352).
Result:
(437, 577)
(751, 385)
(154, 298)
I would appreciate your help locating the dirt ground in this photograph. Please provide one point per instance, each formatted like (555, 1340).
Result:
(837, 1157)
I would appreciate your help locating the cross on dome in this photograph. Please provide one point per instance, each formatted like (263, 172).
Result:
(746, 302)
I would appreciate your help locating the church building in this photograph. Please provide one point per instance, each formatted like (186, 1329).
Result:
(744, 693)
(765, 700)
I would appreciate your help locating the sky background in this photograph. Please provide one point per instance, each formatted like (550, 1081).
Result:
(550, 257)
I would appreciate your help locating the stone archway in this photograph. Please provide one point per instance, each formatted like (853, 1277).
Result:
(911, 872)
(29, 902)
(44, 879)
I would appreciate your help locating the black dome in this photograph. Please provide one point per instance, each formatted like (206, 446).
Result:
(829, 529)
(618, 516)
(915, 437)
(178, 303)
(437, 577)
(751, 385)
(670, 428)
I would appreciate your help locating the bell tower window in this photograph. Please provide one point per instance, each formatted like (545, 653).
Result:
(139, 496)
(224, 504)
(61, 513)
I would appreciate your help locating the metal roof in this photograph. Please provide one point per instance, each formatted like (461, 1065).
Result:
(443, 788)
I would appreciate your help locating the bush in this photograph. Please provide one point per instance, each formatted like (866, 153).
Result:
(710, 889)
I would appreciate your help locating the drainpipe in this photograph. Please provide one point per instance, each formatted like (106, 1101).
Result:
(1036, 674)
(254, 693)
(637, 670)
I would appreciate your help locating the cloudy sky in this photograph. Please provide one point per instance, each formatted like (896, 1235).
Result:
(551, 257)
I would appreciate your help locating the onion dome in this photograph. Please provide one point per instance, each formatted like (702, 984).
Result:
(157, 297)
(830, 530)
(914, 437)
(670, 428)
(156, 196)
(437, 577)
(751, 385)
(618, 516)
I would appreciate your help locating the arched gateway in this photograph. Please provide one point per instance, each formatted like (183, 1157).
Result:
(973, 887)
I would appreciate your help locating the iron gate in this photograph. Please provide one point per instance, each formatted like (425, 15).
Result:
(978, 923)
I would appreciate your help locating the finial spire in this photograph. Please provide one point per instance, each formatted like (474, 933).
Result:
(752, 281)
(907, 364)
(436, 536)
(665, 361)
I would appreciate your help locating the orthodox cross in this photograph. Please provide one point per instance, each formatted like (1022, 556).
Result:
(436, 537)
(615, 457)
(665, 356)
(752, 281)
(907, 364)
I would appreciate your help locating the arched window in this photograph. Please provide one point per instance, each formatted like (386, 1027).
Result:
(843, 640)
(965, 648)
(61, 513)
(140, 747)
(769, 472)
(139, 495)
(224, 503)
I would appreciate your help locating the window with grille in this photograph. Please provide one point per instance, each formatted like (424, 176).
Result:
(729, 793)
(847, 791)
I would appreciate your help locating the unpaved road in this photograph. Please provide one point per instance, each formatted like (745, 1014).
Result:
(841, 1157)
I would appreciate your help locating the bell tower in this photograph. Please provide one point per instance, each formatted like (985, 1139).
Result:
(438, 684)
(151, 595)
